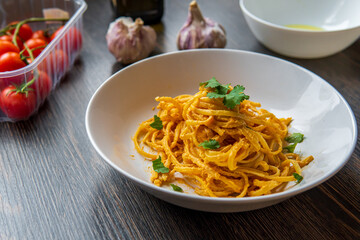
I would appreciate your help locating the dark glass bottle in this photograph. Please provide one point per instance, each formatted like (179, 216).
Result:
(150, 11)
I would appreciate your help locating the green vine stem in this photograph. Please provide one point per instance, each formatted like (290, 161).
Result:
(19, 24)
(25, 49)
(7, 28)
(29, 83)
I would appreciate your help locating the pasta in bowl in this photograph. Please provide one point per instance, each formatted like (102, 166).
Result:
(318, 111)
(220, 143)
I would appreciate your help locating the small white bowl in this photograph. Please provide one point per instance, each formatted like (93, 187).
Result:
(126, 99)
(338, 24)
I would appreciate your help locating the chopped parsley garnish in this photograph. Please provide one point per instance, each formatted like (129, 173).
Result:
(290, 148)
(219, 90)
(298, 177)
(159, 167)
(212, 83)
(157, 124)
(294, 138)
(235, 97)
(231, 99)
(176, 188)
(211, 144)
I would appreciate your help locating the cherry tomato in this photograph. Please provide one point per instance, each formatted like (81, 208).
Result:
(10, 61)
(17, 105)
(25, 31)
(36, 45)
(42, 85)
(41, 34)
(56, 62)
(6, 46)
(9, 38)
(72, 40)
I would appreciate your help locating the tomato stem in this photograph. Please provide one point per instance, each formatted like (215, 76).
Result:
(29, 51)
(24, 88)
(19, 24)
(32, 50)
(4, 30)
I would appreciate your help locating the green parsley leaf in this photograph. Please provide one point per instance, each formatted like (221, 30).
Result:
(222, 89)
(290, 148)
(212, 83)
(298, 177)
(176, 188)
(219, 90)
(211, 144)
(159, 167)
(157, 124)
(215, 95)
(235, 97)
(231, 99)
(295, 138)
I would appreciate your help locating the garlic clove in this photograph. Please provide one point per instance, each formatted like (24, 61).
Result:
(130, 41)
(200, 32)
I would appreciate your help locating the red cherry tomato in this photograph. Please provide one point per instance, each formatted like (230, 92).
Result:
(55, 63)
(72, 40)
(25, 31)
(42, 85)
(17, 105)
(41, 34)
(6, 46)
(10, 61)
(36, 45)
(56, 33)
(9, 38)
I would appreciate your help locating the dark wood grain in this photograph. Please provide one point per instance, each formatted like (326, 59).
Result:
(53, 185)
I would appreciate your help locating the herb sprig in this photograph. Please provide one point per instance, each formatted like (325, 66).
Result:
(157, 123)
(210, 144)
(230, 99)
(294, 138)
(159, 167)
(298, 177)
(176, 188)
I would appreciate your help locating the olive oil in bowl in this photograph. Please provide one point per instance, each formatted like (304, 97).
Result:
(304, 27)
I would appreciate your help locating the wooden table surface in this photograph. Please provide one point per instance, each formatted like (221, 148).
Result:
(53, 184)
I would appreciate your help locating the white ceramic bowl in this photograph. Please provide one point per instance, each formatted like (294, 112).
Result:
(339, 21)
(126, 99)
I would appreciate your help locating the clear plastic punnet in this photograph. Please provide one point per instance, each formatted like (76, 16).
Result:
(52, 63)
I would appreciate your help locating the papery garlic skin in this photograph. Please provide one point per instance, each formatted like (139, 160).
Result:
(200, 32)
(130, 41)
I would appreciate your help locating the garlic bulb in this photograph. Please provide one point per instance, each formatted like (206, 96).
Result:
(200, 32)
(130, 41)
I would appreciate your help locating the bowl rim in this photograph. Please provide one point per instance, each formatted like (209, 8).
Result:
(256, 199)
(277, 26)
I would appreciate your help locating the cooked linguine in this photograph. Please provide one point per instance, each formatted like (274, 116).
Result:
(219, 151)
